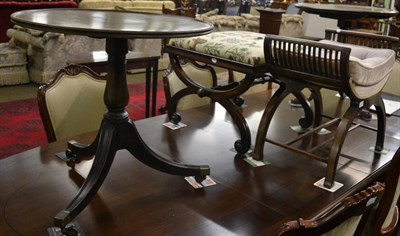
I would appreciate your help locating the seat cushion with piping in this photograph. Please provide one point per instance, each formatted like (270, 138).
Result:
(369, 68)
(13, 65)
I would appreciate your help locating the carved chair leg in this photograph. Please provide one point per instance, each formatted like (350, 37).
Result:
(242, 145)
(381, 114)
(318, 106)
(308, 118)
(173, 102)
(338, 141)
(266, 118)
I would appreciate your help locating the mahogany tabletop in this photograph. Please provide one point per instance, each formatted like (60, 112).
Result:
(138, 200)
(110, 24)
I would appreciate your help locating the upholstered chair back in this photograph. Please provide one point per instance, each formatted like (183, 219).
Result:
(72, 103)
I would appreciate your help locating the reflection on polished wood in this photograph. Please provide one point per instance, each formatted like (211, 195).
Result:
(137, 200)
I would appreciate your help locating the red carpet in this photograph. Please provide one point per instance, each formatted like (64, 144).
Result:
(21, 126)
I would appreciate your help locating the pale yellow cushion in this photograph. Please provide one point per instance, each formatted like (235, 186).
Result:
(201, 76)
(75, 105)
(241, 46)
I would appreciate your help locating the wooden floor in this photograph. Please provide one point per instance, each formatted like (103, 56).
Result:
(137, 200)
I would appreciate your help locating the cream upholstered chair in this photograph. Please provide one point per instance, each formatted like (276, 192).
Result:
(360, 72)
(384, 218)
(177, 94)
(72, 102)
(342, 219)
(346, 217)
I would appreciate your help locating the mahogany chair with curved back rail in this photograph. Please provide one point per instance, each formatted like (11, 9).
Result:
(384, 219)
(345, 217)
(341, 219)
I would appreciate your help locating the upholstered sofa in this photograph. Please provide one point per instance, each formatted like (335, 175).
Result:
(49, 52)
(291, 24)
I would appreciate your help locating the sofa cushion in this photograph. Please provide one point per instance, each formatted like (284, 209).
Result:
(12, 56)
(12, 65)
(241, 46)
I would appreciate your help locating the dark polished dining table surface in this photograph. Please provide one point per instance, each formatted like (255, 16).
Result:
(137, 200)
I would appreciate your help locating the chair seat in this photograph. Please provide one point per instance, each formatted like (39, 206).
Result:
(240, 46)
(369, 68)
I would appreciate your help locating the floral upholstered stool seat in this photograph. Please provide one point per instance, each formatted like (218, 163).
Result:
(238, 46)
(13, 65)
(239, 51)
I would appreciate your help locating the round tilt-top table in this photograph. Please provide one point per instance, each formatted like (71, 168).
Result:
(116, 131)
